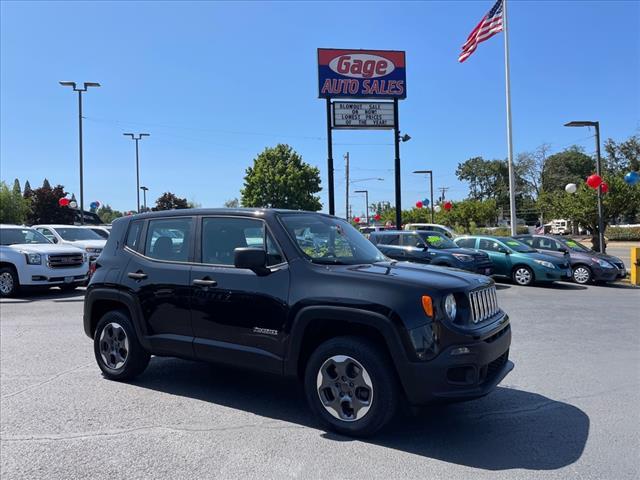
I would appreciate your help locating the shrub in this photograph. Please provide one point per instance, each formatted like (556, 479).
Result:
(623, 233)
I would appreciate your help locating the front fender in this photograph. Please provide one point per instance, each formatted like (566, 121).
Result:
(387, 329)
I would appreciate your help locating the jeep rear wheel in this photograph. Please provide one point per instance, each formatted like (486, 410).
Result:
(117, 349)
(350, 386)
(9, 283)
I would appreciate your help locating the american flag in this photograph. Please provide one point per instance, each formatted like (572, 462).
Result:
(487, 28)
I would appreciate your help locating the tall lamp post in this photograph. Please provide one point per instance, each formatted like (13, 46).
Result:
(80, 90)
(379, 179)
(137, 139)
(366, 199)
(586, 123)
(430, 173)
(144, 197)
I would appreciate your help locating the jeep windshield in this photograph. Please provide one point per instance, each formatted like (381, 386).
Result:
(21, 236)
(331, 241)
(437, 240)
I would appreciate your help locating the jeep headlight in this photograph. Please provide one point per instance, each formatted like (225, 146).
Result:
(462, 257)
(34, 258)
(604, 263)
(450, 306)
(544, 263)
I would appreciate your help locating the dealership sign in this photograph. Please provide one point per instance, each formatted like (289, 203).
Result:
(378, 115)
(361, 73)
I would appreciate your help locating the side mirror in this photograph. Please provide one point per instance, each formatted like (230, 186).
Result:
(251, 258)
(421, 245)
(504, 250)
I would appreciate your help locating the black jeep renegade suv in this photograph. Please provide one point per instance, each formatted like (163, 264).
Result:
(299, 294)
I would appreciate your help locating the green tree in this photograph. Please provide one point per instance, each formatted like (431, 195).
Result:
(169, 201)
(27, 190)
(623, 157)
(489, 179)
(108, 214)
(16, 187)
(232, 203)
(45, 207)
(569, 166)
(46, 184)
(13, 206)
(280, 179)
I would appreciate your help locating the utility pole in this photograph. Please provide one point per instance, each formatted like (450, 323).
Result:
(80, 90)
(346, 170)
(443, 190)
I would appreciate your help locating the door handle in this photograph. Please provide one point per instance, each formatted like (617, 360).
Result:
(205, 282)
(137, 275)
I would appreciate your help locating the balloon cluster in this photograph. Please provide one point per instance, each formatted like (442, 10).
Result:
(422, 203)
(94, 205)
(63, 202)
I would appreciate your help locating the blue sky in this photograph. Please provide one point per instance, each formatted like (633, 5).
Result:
(215, 83)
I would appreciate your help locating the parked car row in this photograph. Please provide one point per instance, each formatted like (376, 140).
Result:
(524, 258)
(46, 256)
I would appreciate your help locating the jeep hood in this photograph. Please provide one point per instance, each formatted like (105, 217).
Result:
(421, 275)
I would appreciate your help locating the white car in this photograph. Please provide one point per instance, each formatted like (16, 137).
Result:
(75, 235)
(103, 230)
(434, 227)
(27, 258)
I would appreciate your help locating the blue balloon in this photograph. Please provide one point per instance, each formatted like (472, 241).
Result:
(425, 201)
(632, 178)
(93, 205)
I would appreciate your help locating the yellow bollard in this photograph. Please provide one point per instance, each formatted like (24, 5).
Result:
(635, 265)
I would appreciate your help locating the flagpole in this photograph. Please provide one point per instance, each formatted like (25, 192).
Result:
(512, 186)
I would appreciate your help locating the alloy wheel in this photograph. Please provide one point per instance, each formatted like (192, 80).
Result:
(345, 388)
(6, 283)
(114, 346)
(523, 276)
(581, 275)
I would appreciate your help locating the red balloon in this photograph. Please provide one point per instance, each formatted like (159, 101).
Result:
(418, 204)
(63, 202)
(594, 180)
(377, 217)
(357, 219)
(604, 187)
(448, 206)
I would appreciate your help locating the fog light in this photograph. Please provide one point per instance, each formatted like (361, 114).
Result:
(460, 351)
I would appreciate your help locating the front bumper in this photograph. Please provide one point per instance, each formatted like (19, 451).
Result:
(606, 274)
(466, 376)
(42, 275)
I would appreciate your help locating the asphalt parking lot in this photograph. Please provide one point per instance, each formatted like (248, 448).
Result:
(570, 409)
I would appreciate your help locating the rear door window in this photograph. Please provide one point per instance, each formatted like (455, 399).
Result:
(489, 245)
(169, 239)
(466, 242)
(133, 235)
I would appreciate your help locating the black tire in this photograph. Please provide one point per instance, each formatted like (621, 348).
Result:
(522, 275)
(377, 367)
(136, 358)
(9, 282)
(582, 274)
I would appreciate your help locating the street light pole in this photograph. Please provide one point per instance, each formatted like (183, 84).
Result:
(133, 137)
(80, 90)
(430, 173)
(144, 197)
(583, 123)
(366, 199)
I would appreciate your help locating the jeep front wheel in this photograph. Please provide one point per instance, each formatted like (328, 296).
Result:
(350, 386)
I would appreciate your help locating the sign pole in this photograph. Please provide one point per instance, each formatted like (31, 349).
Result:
(332, 207)
(396, 135)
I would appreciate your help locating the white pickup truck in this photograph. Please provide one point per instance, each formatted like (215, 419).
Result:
(27, 258)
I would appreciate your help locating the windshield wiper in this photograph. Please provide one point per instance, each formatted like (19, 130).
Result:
(328, 261)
